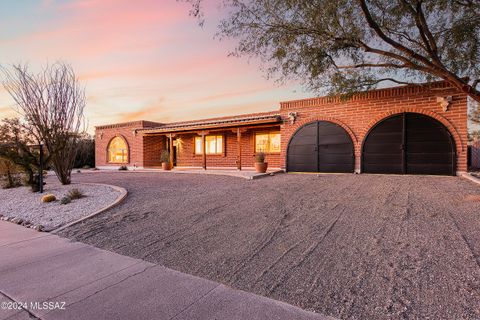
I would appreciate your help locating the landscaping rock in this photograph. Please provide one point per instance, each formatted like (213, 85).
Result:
(17, 220)
(22, 203)
(38, 227)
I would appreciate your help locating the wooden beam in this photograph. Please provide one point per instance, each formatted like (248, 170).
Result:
(204, 151)
(239, 146)
(171, 149)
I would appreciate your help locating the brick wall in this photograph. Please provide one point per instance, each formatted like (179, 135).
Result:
(186, 156)
(360, 113)
(127, 131)
(356, 115)
(152, 149)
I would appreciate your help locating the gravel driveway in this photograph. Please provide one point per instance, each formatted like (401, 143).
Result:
(349, 246)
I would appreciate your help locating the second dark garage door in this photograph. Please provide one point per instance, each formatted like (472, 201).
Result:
(409, 143)
(320, 146)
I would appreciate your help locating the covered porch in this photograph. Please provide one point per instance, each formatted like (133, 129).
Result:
(223, 143)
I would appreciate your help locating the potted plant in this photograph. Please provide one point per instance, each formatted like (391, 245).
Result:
(260, 164)
(165, 160)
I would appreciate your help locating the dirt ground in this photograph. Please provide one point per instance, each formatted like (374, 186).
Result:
(348, 246)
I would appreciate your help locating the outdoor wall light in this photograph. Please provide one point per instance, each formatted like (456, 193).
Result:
(292, 116)
(444, 102)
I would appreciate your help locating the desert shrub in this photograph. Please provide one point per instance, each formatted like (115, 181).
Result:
(123, 168)
(260, 157)
(86, 152)
(65, 200)
(75, 194)
(165, 156)
(48, 198)
(9, 174)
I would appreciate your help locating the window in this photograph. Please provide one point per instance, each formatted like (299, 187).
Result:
(268, 142)
(118, 151)
(213, 145)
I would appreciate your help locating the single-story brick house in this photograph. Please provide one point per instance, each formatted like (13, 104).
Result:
(408, 129)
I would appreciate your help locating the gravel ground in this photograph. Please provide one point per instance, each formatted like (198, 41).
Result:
(348, 246)
(21, 202)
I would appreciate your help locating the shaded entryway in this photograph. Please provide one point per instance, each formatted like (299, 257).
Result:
(320, 146)
(409, 143)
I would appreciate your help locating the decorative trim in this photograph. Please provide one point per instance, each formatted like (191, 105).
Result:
(368, 95)
(453, 131)
(306, 120)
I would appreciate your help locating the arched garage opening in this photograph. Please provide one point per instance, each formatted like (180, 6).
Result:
(320, 146)
(409, 143)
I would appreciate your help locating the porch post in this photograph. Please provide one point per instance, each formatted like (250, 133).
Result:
(204, 153)
(171, 149)
(239, 145)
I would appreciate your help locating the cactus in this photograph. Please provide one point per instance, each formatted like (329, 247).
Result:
(48, 198)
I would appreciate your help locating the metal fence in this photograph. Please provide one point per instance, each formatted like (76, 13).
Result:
(475, 155)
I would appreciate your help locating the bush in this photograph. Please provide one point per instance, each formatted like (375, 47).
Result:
(260, 157)
(123, 168)
(65, 200)
(86, 153)
(48, 198)
(165, 156)
(9, 174)
(75, 194)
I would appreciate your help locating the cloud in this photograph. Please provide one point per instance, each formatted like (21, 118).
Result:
(138, 59)
(148, 112)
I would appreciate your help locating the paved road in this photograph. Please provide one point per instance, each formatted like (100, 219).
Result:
(349, 246)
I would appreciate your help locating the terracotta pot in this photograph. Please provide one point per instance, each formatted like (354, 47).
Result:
(166, 166)
(261, 167)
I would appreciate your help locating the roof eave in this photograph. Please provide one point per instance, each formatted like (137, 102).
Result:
(276, 120)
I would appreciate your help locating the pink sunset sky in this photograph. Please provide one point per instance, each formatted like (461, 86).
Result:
(142, 59)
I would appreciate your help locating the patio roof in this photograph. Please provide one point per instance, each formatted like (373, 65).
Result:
(216, 123)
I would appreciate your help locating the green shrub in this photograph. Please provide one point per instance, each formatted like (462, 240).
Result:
(165, 156)
(65, 200)
(123, 168)
(48, 198)
(260, 157)
(75, 194)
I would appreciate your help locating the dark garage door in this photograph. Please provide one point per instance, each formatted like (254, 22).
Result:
(409, 143)
(320, 146)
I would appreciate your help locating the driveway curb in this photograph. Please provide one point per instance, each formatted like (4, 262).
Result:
(123, 195)
(470, 177)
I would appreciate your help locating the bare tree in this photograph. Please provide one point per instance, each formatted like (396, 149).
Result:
(52, 102)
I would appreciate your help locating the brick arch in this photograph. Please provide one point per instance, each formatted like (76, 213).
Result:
(432, 114)
(121, 136)
(304, 121)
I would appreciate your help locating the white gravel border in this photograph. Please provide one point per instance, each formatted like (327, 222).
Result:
(123, 193)
(21, 206)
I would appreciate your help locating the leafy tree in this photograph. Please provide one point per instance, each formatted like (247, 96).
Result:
(52, 103)
(345, 46)
(86, 152)
(17, 145)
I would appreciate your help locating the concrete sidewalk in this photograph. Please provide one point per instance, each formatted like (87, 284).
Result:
(90, 283)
